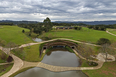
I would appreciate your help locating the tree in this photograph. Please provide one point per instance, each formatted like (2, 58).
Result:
(47, 24)
(113, 49)
(38, 30)
(23, 31)
(77, 28)
(3, 56)
(107, 49)
(103, 41)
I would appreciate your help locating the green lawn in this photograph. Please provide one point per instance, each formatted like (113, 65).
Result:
(5, 68)
(87, 35)
(30, 54)
(14, 34)
(107, 70)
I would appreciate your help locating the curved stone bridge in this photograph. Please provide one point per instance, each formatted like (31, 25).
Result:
(60, 69)
(58, 42)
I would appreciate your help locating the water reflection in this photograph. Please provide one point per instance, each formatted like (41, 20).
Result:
(58, 58)
(61, 58)
(37, 40)
(40, 72)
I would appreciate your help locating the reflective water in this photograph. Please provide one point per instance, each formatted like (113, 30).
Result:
(40, 72)
(58, 58)
(37, 39)
(61, 58)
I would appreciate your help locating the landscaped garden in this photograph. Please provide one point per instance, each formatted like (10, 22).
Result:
(32, 54)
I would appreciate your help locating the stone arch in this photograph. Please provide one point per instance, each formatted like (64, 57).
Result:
(60, 43)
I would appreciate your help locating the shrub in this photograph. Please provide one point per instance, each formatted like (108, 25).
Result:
(77, 28)
(29, 34)
(23, 31)
(102, 41)
(92, 63)
(9, 59)
(3, 56)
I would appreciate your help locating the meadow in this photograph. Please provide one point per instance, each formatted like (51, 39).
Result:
(85, 35)
(14, 34)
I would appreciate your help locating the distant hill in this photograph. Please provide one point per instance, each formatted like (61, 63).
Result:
(18, 22)
(77, 22)
(90, 22)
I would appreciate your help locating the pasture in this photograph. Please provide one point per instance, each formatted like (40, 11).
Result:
(85, 35)
(14, 34)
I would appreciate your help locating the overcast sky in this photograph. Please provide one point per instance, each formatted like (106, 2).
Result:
(58, 10)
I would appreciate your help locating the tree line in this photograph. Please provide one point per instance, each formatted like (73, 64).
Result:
(38, 28)
(6, 23)
(101, 27)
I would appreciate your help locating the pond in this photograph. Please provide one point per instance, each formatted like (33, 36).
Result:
(61, 58)
(57, 58)
(37, 39)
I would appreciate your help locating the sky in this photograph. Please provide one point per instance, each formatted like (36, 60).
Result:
(58, 10)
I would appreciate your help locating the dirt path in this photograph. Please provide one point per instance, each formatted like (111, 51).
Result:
(18, 63)
(110, 33)
(6, 63)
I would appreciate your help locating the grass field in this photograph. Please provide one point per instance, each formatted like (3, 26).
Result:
(87, 35)
(107, 70)
(5, 68)
(14, 34)
(30, 54)
(112, 31)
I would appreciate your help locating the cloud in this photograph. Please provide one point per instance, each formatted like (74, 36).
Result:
(73, 10)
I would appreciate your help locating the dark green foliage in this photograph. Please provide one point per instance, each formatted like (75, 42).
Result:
(69, 49)
(102, 41)
(97, 27)
(38, 30)
(38, 27)
(77, 28)
(6, 23)
(47, 24)
(92, 63)
(29, 34)
(9, 59)
(90, 26)
(23, 31)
